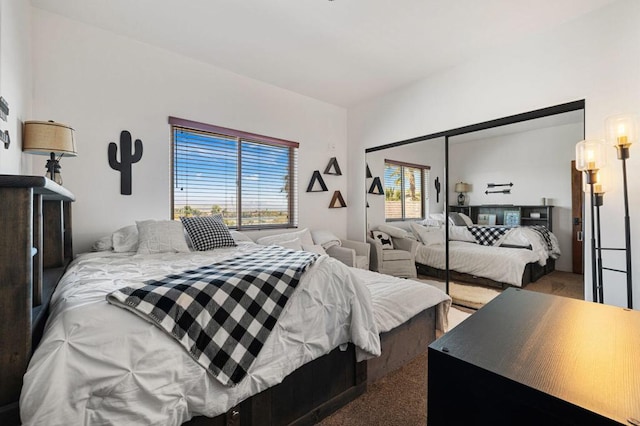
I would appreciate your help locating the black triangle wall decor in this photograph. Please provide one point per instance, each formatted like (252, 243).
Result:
(337, 197)
(333, 162)
(376, 187)
(369, 175)
(316, 178)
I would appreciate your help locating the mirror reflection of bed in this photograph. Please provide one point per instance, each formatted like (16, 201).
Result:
(517, 174)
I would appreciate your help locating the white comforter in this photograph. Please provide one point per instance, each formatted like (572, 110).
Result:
(520, 236)
(505, 265)
(99, 364)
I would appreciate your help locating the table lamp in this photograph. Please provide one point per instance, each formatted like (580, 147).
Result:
(49, 138)
(462, 188)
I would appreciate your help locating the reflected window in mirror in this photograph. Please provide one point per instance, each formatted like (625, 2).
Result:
(404, 189)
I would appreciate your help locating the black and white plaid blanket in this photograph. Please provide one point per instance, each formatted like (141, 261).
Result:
(222, 313)
(487, 235)
(544, 233)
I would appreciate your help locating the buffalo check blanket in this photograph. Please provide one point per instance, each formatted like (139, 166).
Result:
(222, 313)
(544, 233)
(487, 235)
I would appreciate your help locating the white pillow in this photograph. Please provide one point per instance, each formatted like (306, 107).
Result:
(430, 222)
(461, 233)
(437, 216)
(384, 239)
(394, 231)
(125, 239)
(103, 244)
(314, 249)
(161, 236)
(293, 244)
(304, 235)
(429, 235)
(240, 237)
(325, 238)
(466, 219)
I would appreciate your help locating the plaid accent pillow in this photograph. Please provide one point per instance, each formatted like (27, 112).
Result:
(487, 235)
(208, 232)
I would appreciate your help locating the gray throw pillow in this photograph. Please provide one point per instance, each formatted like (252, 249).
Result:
(456, 219)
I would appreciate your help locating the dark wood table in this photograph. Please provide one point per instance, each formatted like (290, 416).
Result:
(529, 358)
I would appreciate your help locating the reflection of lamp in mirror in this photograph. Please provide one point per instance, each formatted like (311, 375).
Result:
(462, 188)
(49, 138)
(622, 131)
(591, 157)
(598, 200)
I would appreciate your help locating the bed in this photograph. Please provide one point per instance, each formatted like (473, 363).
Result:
(100, 364)
(512, 256)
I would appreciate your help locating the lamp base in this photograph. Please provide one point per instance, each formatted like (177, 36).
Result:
(53, 169)
(461, 199)
(623, 151)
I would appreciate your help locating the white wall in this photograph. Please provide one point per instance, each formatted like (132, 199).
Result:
(595, 58)
(15, 81)
(101, 84)
(429, 153)
(537, 162)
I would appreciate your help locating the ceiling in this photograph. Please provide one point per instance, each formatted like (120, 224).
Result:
(342, 52)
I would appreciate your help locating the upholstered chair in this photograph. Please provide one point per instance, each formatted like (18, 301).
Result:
(351, 253)
(399, 261)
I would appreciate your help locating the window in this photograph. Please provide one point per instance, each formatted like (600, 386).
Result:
(249, 179)
(405, 192)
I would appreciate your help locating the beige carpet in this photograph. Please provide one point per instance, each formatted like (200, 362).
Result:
(466, 295)
(471, 296)
(401, 397)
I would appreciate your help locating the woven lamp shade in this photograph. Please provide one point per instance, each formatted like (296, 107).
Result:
(45, 137)
(462, 187)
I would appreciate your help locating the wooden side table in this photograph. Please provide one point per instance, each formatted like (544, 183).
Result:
(529, 358)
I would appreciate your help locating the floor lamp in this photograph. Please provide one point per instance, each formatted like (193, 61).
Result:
(598, 201)
(591, 157)
(622, 131)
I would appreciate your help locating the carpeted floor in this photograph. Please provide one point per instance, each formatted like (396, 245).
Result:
(401, 397)
(561, 284)
(384, 404)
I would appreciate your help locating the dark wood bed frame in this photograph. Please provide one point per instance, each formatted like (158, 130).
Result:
(321, 387)
(532, 273)
(35, 249)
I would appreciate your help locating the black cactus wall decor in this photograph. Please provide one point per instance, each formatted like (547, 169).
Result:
(127, 158)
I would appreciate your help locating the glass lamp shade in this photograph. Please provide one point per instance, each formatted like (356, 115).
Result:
(590, 155)
(621, 130)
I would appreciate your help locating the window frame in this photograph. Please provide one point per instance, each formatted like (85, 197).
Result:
(423, 169)
(240, 136)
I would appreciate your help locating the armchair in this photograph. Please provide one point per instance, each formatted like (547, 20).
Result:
(351, 253)
(399, 261)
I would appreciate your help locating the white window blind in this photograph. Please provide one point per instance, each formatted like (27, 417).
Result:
(252, 183)
(405, 190)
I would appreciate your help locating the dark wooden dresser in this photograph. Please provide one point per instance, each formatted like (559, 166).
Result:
(529, 358)
(35, 249)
